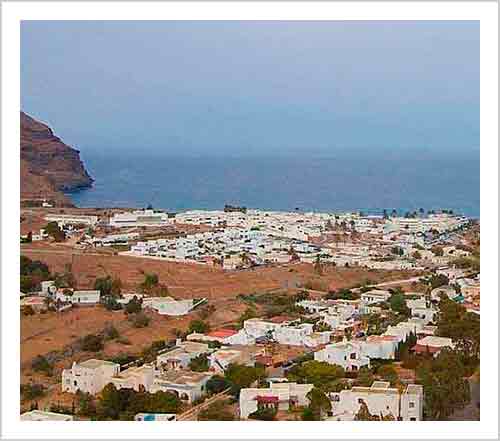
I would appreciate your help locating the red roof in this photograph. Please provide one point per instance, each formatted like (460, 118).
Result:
(422, 349)
(222, 333)
(262, 399)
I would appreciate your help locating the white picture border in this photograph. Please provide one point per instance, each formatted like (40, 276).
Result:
(13, 13)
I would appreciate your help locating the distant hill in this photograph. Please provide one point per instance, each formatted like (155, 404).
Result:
(48, 166)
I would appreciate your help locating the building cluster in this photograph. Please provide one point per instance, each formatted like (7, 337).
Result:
(238, 240)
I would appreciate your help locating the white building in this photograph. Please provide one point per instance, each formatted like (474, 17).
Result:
(89, 376)
(80, 297)
(293, 335)
(258, 328)
(187, 385)
(135, 377)
(40, 415)
(280, 396)
(381, 400)
(380, 346)
(140, 218)
(170, 306)
(180, 356)
(348, 355)
(68, 219)
(433, 345)
(420, 309)
(374, 296)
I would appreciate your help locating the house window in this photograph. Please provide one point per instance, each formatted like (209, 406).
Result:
(413, 419)
(411, 405)
(353, 356)
(75, 383)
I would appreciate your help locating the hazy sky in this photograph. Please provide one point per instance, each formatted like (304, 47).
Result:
(254, 87)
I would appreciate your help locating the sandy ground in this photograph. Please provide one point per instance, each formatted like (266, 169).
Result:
(192, 280)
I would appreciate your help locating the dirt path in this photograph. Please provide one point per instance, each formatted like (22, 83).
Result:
(192, 414)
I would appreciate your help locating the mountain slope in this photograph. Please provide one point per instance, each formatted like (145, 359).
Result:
(48, 166)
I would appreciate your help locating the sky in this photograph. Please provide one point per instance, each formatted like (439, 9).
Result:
(255, 88)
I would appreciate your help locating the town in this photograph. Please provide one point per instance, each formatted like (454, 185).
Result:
(242, 314)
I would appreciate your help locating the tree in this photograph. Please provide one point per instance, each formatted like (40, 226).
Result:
(472, 263)
(198, 326)
(318, 267)
(388, 373)
(445, 389)
(217, 411)
(264, 414)
(86, 404)
(397, 302)
(319, 373)
(365, 377)
(124, 403)
(199, 364)
(438, 280)
(42, 364)
(53, 230)
(32, 391)
(241, 376)
(92, 343)
(150, 280)
(462, 327)
(319, 403)
(108, 286)
(217, 384)
(110, 403)
(134, 306)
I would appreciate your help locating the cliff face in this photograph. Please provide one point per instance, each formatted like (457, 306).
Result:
(48, 166)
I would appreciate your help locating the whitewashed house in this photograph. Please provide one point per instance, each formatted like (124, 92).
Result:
(79, 297)
(380, 346)
(433, 345)
(187, 385)
(381, 400)
(258, 328)
(170, 306)
(374, 296)
(420, 309)
(293, 335)
(180, 356)
(281, 396)
(135, 377)
(48, 288)
(89, 376)
(348, 355)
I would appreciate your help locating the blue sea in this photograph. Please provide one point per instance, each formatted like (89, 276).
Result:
(369, 183)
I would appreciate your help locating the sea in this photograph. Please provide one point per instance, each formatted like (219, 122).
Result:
(367, 183)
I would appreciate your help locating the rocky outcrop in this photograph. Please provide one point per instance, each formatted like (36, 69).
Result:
(48, 166)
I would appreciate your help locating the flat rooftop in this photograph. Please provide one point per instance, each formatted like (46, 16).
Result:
(94, 363)
(40, 415)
